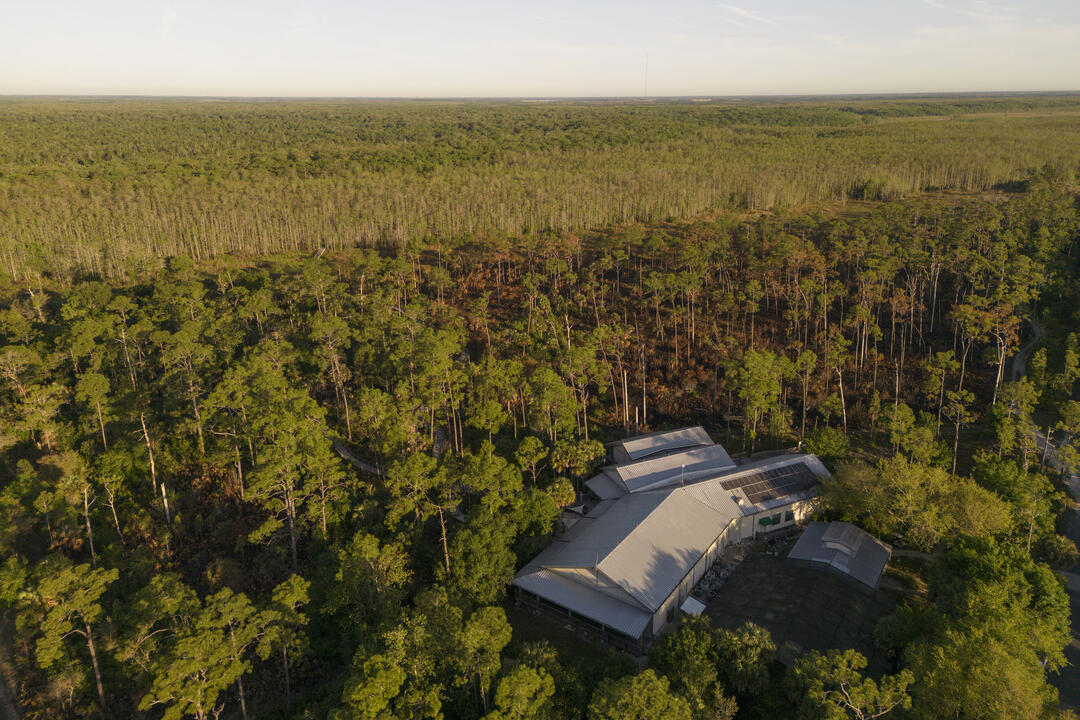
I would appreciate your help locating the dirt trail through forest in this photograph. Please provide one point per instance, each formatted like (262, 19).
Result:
(1020, 360)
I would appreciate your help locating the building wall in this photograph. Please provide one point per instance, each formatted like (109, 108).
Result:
(606, 635)
(669, 610)
(744, 529)
(800, 510)
(740, 529)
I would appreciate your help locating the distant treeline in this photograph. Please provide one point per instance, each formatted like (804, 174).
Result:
(113, 186)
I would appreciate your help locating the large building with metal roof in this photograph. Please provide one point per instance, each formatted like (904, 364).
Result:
(662, 520)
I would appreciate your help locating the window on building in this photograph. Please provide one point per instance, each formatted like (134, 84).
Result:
(789, 516)
(775, 519)
(671, 613)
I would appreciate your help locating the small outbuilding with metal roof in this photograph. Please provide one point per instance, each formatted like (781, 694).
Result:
(845, 549)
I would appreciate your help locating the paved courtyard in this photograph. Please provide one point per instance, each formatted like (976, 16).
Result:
(804, 608)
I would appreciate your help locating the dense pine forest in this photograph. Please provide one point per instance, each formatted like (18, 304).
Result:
(114, 186)
(289, 391)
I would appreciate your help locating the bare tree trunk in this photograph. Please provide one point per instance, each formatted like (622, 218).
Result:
(1031, 529)
(149, 450)
(1003, 349)
(165, 505)
(94, 662)
(101, 424)
(626, 403)
(965, 347)
(940, 403)
(198, 426)
(348, 420)
(290, 512)
(802, 427)
(288, 682)
(89, 530)
(127, 355)
(843, 404)
(956, 447)
(1046, 447)
(116, 520)
(239, 680)
(322, 506)
(239, 470)
(445, 546)
(483, 695)
(585, 411)
(644, 397)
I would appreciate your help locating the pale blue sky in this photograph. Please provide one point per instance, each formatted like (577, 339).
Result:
(484, 48)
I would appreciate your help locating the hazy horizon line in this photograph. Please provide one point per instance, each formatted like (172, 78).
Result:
(541, 98)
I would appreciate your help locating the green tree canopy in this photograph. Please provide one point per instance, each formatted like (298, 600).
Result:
(638, 697)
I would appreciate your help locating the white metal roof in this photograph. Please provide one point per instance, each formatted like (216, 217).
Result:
(844, 537)
(673, 469)
(653, 558)
(692, 606)
(845, 547)
(605, 487)
(597, 537)
(583, 600)
(642, 446)
(643, 544)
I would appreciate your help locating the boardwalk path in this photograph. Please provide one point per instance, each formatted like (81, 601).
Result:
(1020, 360)
(344, 451)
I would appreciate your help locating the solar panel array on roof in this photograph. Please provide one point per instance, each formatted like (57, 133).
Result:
(773, 483)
